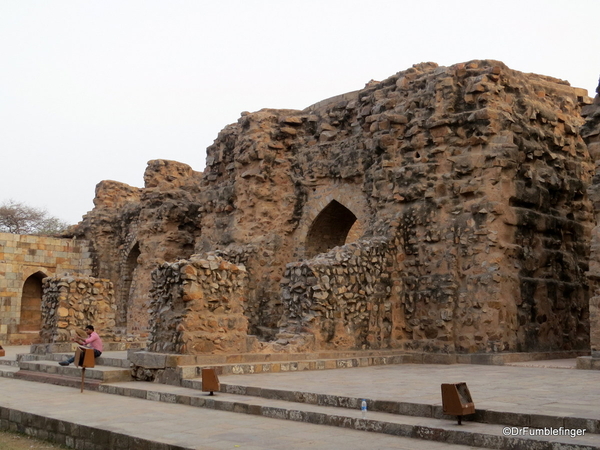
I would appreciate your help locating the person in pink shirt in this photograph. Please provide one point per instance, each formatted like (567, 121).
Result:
(93, 341)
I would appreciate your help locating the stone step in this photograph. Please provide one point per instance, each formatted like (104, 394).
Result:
(8, 362)
(113, 359)
(442, 429)
(7, 371)
(69, 347)
(406, 408)
(104, 374)
(58, 379)
(188, 372)
(190, 366)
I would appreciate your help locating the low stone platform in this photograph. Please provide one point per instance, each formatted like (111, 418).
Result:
(367, 356)
(176, 368)
(588, 363)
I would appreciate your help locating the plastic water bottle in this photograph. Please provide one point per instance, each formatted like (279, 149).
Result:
(363, 409)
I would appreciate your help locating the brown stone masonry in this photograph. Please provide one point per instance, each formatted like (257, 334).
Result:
(443, 209)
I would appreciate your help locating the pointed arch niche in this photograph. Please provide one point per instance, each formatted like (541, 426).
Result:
(330, 228)
(31, 304)
(128, 276)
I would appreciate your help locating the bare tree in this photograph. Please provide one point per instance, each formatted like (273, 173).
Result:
(19, 218)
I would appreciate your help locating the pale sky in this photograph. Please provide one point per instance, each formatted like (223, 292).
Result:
(91, 90)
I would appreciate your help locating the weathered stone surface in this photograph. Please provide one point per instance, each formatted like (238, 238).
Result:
(591, 132)
(134, 230)
(25, 261)
(442, 209)
(71, 303)
(198, 307)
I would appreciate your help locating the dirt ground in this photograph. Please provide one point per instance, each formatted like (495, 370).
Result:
(15, 441)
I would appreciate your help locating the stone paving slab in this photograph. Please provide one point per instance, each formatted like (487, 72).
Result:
(535, 390)
(551, 396)
(176, 426)
(435, 429)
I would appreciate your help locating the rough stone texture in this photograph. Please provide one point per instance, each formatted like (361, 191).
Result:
(198, 307)
(458, 195)
(71, 303)
(28, 259)
(134, 230)
(591, 133)
(343, 298)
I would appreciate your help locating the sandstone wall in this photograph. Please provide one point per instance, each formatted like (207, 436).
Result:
(198, 307)
(23, 258)
(344, 299)
(591, 133)
(71, 303)
(471, 180)
(133, 230)
(476, 171)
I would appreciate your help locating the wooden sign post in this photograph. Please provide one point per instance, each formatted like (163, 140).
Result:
(457, 401)
(84, 357)
(210, 381)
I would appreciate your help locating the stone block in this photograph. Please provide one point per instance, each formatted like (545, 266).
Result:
(148, 360)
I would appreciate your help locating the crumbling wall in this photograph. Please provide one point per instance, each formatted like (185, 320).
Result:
(591, 133)
(474, 175)
(343, 299)
(134, 230)
(475, 171)
(70, 303)
(198, 307)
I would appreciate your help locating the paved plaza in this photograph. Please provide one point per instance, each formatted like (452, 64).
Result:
(548, 389)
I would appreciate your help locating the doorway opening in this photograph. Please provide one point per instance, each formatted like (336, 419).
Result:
(31, 304)
(329, 229)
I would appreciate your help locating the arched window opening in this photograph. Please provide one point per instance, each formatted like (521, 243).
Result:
(128, 285)
(329, 229)
(31, 304)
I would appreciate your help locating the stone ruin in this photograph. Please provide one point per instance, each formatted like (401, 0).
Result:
(444, 209)
(591, 133)
(71, 303)
(25, 261)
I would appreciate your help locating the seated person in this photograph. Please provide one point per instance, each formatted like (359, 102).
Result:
(93, 341)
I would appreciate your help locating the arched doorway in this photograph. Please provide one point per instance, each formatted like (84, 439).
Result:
(31, 304)
(329, 229)
(128, 277)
